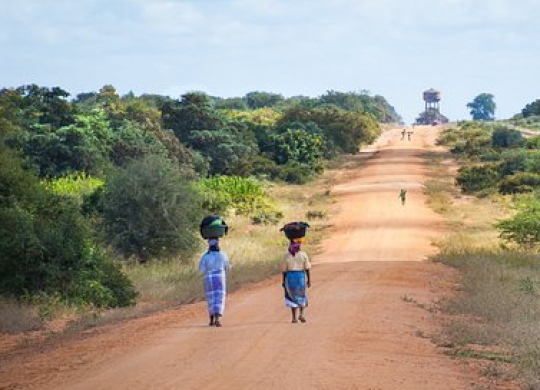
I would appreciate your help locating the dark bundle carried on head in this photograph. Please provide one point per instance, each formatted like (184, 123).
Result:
(295, 230)
(213, 226)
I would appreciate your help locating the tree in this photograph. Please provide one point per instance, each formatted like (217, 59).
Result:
(483, 107)
(46, 246)
(150, 210)
(531, 109)
(193, 112)
(258, 99)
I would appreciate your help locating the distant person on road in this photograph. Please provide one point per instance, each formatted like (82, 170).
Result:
(409, 134)
(403, 196)
(296, 277)
(215, 265)
(403, 134)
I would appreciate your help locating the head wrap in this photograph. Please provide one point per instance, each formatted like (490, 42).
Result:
(213, 245)
(294, 248)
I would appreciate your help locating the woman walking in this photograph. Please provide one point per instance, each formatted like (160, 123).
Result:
(214, 265)
(296, 269)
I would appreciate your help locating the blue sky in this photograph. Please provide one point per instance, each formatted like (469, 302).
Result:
(394, 48)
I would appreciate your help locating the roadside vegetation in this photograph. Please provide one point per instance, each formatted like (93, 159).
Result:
(492, 209)
(101, 195)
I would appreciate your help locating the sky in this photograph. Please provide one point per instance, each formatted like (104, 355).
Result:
(393, 48)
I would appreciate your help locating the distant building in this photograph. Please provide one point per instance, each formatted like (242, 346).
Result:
(432, 112)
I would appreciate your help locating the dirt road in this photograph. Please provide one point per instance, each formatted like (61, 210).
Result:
(365, 330)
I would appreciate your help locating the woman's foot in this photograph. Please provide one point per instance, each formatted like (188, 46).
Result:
(212, 321)
(294, 321)
(217, 324)
(302, 319)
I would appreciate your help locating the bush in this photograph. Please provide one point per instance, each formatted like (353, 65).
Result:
(77, 185)
(246, 196)
(503, 137)
(150, 210)
(513, 161)
(296, 173)
(519, 183)
(477, 177)
(524, 227)
(48, 249)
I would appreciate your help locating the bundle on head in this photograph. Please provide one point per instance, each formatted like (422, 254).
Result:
(213, 226)
(295, 230)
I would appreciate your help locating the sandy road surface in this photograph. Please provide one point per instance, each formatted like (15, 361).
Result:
(361, 332)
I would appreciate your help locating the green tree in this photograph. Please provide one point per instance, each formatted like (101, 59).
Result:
(482, 108)
(531, 109)
(259, 99)
(228, 152)
(150, 210)
(46, 246)
(299, 146)
(193, 112)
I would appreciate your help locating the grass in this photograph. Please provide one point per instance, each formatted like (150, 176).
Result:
(255, 252)
(19, 317)
(496, 306)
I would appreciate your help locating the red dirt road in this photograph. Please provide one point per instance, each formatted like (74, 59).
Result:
(363, 330)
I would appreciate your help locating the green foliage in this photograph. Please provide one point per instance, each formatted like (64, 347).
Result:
(504, 137)
(81, 146)
(519, 183)
(513, 161)
(46, 245)
(532, 142)
(77, 185)
(193, 112)
(298, 146)
(131, 142)
(483, 107)
(344, 129)
(33, 106)
(524, 227)
(150, 210)
(296, 173)
(223, 193)
(377, 106)
(478, 177)
(531, 109)
(258, 99)
(227, 151)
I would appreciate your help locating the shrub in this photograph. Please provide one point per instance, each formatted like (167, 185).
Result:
(77, 185)
(519, 183)
(477, 177)
(296, 173)
(513, 161)
(524, 227)
(150, 210)
(503, 137)
(246, 196)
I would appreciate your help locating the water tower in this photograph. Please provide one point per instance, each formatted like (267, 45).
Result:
(432, 97)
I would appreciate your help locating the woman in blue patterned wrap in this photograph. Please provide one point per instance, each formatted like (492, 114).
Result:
(296, 277)
(214, 265)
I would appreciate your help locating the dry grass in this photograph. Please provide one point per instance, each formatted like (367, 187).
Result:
(18, 317)
(497, 305)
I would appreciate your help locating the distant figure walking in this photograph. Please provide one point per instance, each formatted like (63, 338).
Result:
(214, 265)
(403, 196)
(409, 134)
(403, 134)
(296, 268)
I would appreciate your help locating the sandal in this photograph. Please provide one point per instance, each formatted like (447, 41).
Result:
(294, 321)
(302, 319)
(217, 324)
